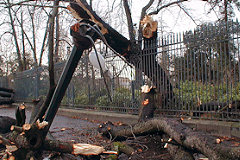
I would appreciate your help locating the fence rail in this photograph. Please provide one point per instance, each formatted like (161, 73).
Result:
(197, 74)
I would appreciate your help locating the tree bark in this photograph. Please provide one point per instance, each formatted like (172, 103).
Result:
(178, 152)
(20, 64)
(148, 106)
(6, 90)
(52, 84)
(183, 135)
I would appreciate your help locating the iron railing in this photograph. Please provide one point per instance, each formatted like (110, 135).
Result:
(196, 73)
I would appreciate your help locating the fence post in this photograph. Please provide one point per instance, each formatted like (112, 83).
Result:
(37, 83)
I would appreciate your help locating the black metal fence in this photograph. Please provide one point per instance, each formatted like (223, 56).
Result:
(197, 74)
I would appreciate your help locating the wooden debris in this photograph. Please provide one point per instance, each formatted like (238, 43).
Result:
(11, 148)
(123, 148)
(149, 26)
(41, 125)
(86, 149)
(180, 133)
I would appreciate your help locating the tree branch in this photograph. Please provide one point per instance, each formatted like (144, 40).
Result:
(187, 14)
(129, 21)
(144, 9)
(165, 6)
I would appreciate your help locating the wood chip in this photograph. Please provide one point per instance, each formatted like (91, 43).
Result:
(218, 141)
(41, 125)
(63, 129)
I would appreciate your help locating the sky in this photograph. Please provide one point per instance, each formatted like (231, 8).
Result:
(173, 19)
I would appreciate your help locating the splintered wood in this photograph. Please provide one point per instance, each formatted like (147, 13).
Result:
(149, 26)
(41, 125)
(89, 13)
(87, 149)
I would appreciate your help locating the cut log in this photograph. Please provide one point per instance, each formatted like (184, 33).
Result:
(76, 149)
(6, 90)
(5, 94)
(183, 135)
(6, 123)
(6, 101)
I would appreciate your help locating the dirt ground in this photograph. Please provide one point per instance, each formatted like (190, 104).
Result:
(72, 129)
(84, 131)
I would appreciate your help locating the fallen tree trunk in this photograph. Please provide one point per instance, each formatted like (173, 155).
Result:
(183, 135)
(178, 152)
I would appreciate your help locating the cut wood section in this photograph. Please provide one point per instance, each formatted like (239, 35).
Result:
(183, 135)
(26, 127)
(86, 149)
(76, 149)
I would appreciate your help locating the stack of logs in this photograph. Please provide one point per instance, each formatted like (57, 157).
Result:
(6, 96)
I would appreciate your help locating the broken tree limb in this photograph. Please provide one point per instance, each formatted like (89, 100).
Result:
(178, 152)
(36, 108)
(130, 51)
(183, 135)
(76, 149)
(20, 115)
(148, 103)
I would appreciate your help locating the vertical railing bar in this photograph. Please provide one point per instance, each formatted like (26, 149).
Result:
(209, 76)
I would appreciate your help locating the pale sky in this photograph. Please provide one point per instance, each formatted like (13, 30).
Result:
(174, 19)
